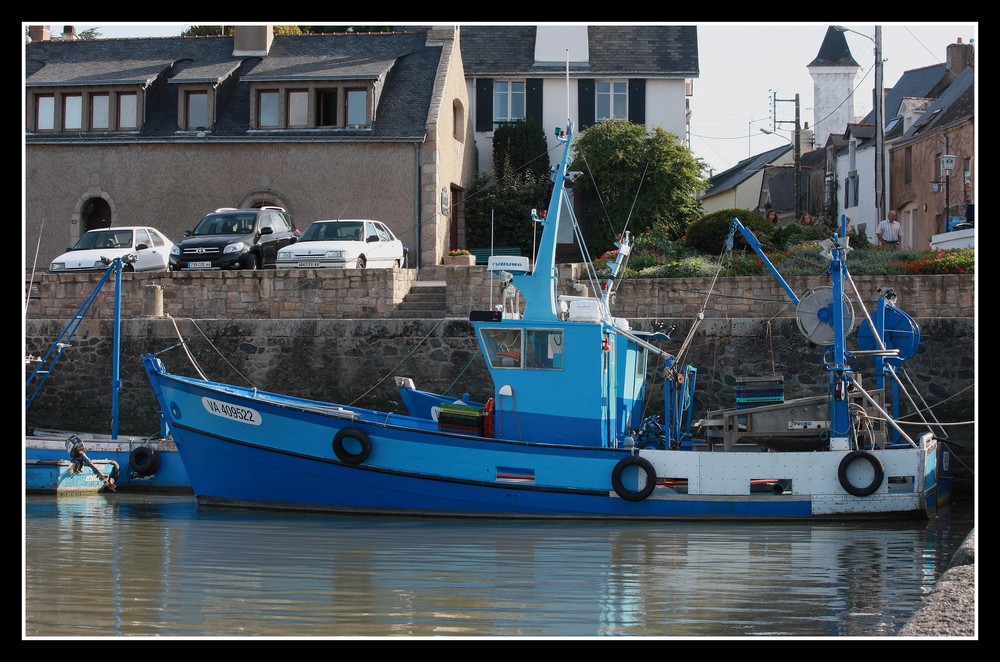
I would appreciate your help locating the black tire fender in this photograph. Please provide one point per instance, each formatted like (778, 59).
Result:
(144, 460)
(346, 456)
(624, 492)
(877, 468)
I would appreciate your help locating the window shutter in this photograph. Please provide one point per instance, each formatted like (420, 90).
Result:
(586, 102)
(484, 104)
(847, 192)
(637, 101)
(533, 100)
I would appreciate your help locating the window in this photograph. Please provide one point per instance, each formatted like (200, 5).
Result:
(851, 186)
(612, 100)
(357, 107)
(267, 109)
(45, 113)
(142, 237)
(326, 107)
(197, 110)
(298, 108)
(127, 111)
(100, 112)
(544, 348)
(72, 112)
(503, 347)
(508, 101)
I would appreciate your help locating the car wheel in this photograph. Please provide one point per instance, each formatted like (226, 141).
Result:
(396, 265)
(251, 263)
(362, 262)
(128, 267)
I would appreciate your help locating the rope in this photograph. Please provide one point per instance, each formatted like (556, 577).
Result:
(401, 362)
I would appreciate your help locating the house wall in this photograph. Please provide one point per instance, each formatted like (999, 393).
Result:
(745, 196)
(921, 208)
(172, 186)
(865, 211)
(448, 157)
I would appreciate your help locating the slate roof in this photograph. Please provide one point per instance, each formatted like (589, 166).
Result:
(744, 170)
(834, 51)
(403, 59)
(955, 104)
(647, 51)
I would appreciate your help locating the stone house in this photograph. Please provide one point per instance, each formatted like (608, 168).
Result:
(161, 131)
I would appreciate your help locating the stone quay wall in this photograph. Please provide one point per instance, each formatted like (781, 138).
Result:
(237, 336)
(374, 294)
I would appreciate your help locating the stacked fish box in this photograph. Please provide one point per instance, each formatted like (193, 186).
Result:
(456, 417)
(757, 391)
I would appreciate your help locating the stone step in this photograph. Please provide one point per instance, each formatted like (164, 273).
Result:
(426, 299)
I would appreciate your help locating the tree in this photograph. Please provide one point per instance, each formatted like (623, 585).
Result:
(498, 207)
(216, 30)
(640, 180)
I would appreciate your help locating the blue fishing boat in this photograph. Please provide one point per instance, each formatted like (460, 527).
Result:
(59, 461)
(563, 435)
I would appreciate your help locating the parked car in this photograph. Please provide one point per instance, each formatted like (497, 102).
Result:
(235, 239)
(96, 248)
(345, 244)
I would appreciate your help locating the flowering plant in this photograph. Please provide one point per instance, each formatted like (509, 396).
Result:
(459, 251)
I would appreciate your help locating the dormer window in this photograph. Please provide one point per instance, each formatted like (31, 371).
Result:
(196, 110)
(72, 112)
(88, 110)
(308, 106)
(128, 107)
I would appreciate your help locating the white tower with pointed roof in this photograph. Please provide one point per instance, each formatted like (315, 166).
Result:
(835, 74)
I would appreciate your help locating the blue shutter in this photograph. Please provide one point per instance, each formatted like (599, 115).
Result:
(484, 104)
(637, 101)
(586, 101)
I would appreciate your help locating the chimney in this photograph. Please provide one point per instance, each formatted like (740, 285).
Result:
(252, 40)
(69, 33)
(960, 57)
(39, 33)
(806, 137)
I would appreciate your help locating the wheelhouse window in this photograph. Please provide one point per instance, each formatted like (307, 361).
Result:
(357, 107)
(267, 109)
(45, 112)
(298, 108)
(612, 100)
(128, 105)
(544, 349)
(508, 101)
(100, 112)
(196, 107)
(503, 347)
(73, 112)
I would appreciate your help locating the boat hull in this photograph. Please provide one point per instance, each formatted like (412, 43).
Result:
(253, 449)
(64, 477)
(145, 465)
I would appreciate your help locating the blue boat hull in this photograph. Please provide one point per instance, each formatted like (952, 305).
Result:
(163, 470)
(65, 477)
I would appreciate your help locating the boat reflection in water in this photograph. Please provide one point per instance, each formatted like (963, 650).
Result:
(147, 565)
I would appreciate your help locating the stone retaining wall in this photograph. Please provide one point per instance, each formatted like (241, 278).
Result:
(374, 294)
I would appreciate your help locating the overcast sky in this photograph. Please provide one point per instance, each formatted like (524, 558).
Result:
(740, 64)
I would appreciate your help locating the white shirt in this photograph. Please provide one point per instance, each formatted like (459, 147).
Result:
(889, 230)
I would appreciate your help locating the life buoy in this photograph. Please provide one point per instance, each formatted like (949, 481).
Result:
(877, 469)
(347, 456)
(488, 418)
(624, 492)
(144, 460)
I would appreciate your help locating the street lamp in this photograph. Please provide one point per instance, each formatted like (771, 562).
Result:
(798, 166)
(879, 102)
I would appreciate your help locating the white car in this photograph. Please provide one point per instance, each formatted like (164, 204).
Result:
(344, 244)
(95, 249)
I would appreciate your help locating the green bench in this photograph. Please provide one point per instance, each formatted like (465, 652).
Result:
(483, 254)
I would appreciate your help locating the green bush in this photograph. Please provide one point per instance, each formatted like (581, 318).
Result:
(708, 234)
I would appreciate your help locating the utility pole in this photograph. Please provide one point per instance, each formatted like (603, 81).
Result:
(797, 153)
(880, 206)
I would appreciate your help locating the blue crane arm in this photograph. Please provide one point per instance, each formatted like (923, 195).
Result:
(755, 245)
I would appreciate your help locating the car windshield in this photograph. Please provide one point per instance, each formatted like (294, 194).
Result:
(104, 239)
(225, 224)
(338, 231)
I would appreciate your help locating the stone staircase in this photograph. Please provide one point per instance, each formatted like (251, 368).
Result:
(426, 299)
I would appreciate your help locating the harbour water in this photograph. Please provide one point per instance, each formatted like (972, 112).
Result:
(118, 565)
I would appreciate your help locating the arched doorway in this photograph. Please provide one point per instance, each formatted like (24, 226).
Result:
(95, 214)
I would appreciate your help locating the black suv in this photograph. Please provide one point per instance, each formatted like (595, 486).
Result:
(234, 239)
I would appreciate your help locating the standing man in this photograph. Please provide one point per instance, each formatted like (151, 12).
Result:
(889, 231)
